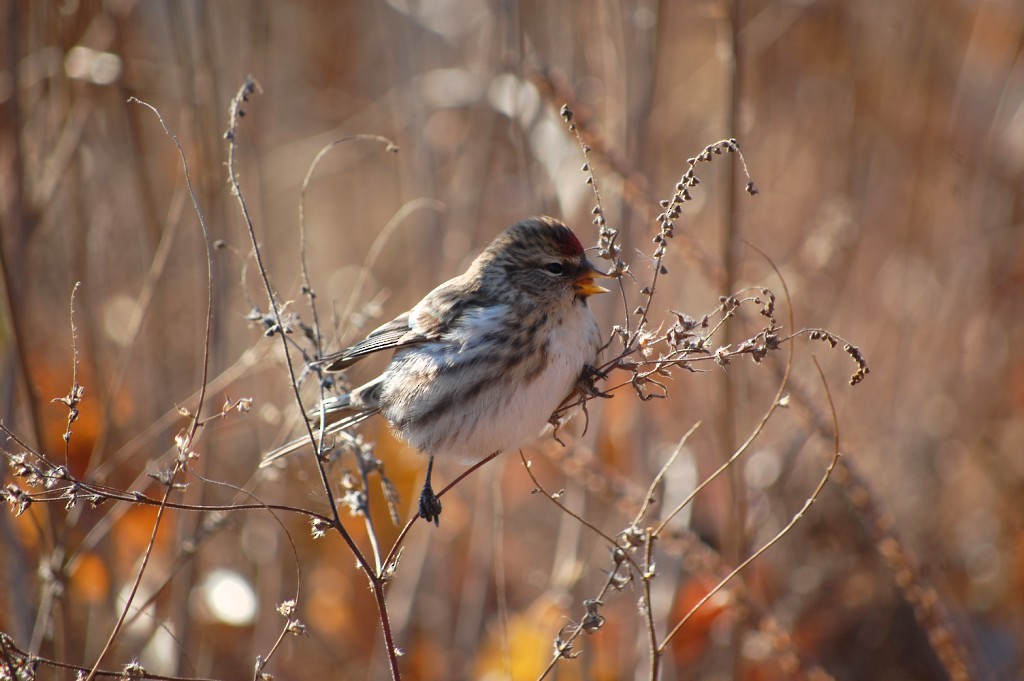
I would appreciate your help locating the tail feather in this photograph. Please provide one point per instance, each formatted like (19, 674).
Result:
(344, 412)
(336, 428)
(331, 405)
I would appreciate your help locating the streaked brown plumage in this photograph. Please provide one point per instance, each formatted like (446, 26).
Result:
(484, 359)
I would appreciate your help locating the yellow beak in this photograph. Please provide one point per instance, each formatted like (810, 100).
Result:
(584, 284)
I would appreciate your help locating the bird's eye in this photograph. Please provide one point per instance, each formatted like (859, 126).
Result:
(554, 267)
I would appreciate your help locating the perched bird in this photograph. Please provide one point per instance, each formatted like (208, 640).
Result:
(485, 359)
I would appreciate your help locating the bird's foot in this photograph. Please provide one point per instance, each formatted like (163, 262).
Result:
(586, 384)
(430, 505)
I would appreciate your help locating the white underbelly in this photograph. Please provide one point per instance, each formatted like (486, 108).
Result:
(505, 415)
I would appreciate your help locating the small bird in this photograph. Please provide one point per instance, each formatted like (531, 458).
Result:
(483, 361)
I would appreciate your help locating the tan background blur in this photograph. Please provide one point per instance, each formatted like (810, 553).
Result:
(887, 141)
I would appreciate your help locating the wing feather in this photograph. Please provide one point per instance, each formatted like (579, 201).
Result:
(391, 336)
(428, 321)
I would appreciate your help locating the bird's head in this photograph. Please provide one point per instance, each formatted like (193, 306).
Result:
(541, 260)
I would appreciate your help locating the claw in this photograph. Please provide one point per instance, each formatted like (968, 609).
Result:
(587, 380)
(430, 504)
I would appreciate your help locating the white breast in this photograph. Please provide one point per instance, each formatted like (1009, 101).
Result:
(502, 415)
(525, 412)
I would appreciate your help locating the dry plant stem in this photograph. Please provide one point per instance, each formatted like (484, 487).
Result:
(684, 358)
(75, 394)
(658, 650)
(378, 245)
(672, 207)
(607, 238)
(635, 190)
(49, 594)
(553, 498)
(649, 499)
(647, 573)
(375, 249)
(376, 583)
(209, 270)
(785, 530)
(737, 545)
(8, 650)
(248, 87)
(652, 632)
(185, 442)
(371, 531)
(563, 649)
(109, 494)
(738, 453)
(389, 560)
(57, 559)
(306, 282)
(262, 662)
(138, 578)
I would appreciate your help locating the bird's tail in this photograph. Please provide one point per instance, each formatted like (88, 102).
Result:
(353, 408)
(337, 428)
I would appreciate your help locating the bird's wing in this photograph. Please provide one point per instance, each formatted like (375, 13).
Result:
(444, 309)
(428, 321)
(391, 336)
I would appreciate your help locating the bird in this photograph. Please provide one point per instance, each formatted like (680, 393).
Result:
(484, 360)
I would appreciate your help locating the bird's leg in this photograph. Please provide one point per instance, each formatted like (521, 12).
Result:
(586, 384)
(430, 505)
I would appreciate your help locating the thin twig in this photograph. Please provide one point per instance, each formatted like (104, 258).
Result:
(553, 498)
(389, 560)
(235, 113)
(209, 268)
(138, 580)
(781, 533)
(776, 401)
(136, 672)
(74, 395)
(652, 634)
(307, 284)
(184, 442)
(649, 499)
(377, 246)
(564, 649)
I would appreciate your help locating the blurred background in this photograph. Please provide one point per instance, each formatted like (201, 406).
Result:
(887, 142)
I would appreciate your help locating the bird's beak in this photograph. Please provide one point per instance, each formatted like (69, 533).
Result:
(584, 284)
